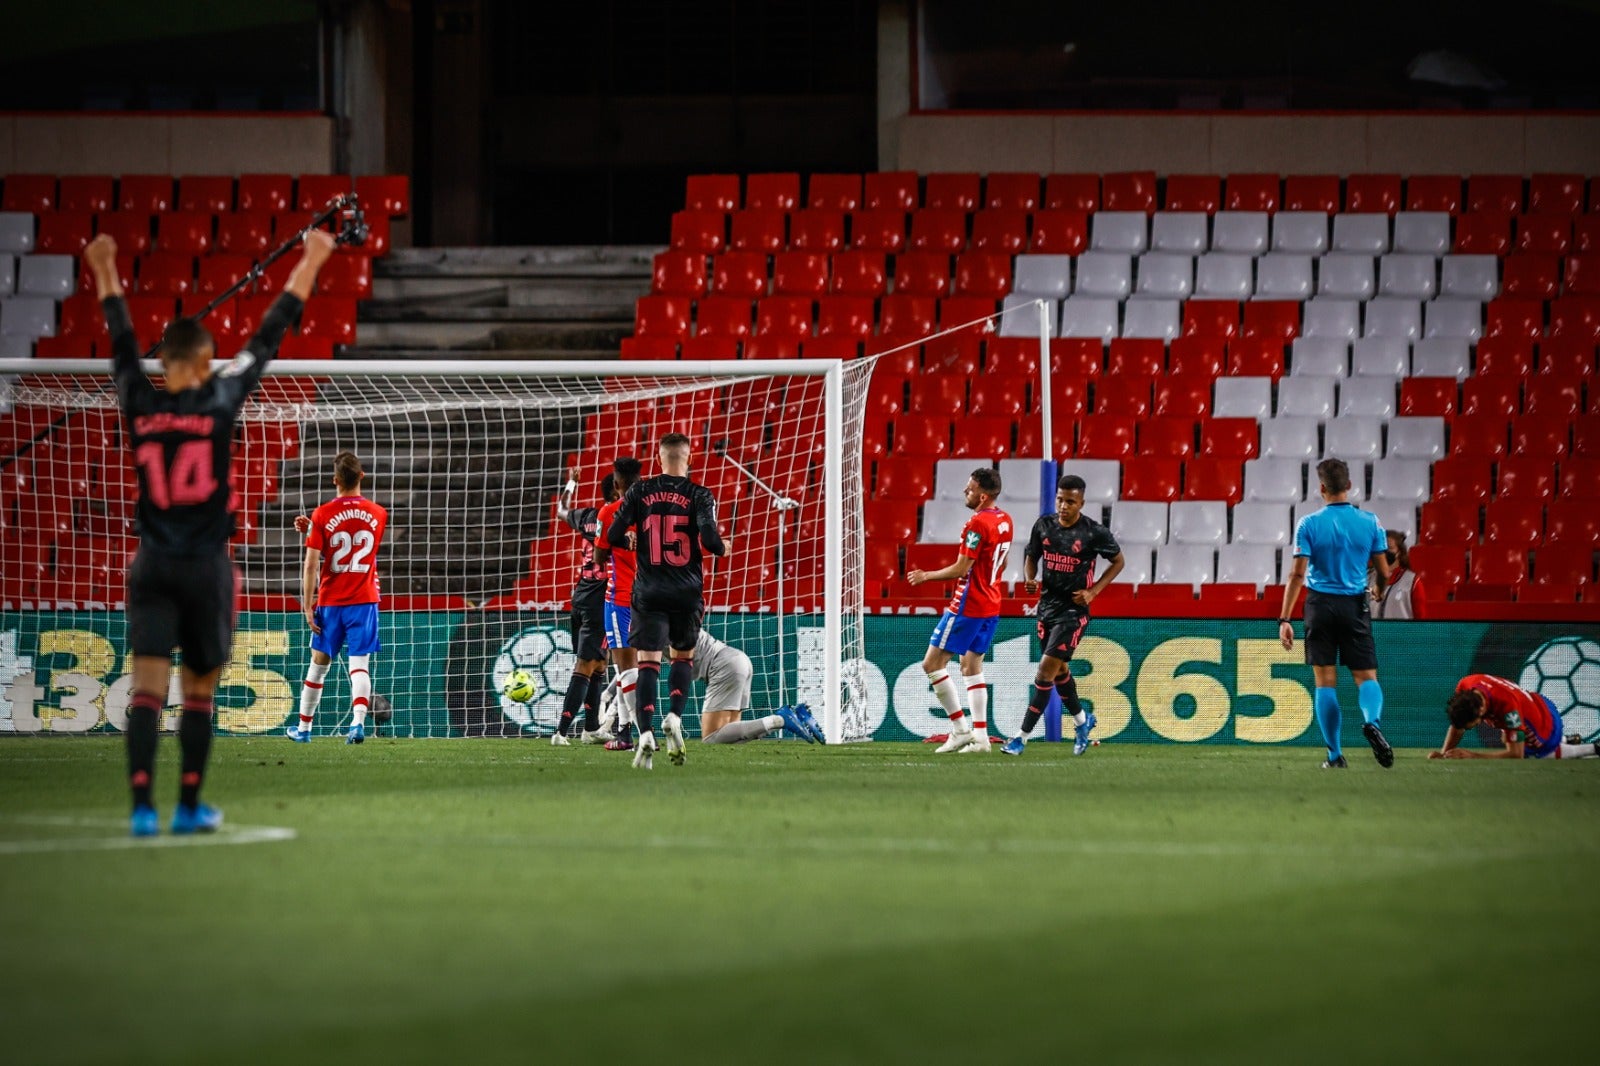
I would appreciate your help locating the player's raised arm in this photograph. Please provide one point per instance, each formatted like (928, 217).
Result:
(705, 517)
(101, 257)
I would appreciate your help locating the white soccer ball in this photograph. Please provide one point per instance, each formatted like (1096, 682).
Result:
(1566, 671)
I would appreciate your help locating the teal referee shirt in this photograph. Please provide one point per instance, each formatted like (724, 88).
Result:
(1339, 540)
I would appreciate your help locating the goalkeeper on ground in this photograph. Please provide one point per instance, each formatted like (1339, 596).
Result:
(727, 673)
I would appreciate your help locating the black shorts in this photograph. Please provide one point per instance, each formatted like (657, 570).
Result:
(1339, 631)
(588, 630)
(182, 601)
(1059, 635)
(658, 630)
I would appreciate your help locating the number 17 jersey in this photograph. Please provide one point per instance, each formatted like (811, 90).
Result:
(347, 531)
(986, 539)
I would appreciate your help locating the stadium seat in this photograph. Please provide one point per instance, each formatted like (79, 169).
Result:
(1182, 396)
(1151, 319)
(1388, 316)
(1059, 233)
(1575, 316)
(1499, 356)
(1556, 395)
(1567, 357)
(1282, 276)
(1090, 316)
(1068, 396)
(784, 316)
(1380, 357)
(1422, 232)
(1199, 357)
(1494, 192)
(737, 274)
(722, 316)
(1581, 274)
(169, 274)
(1442, 566)
(1300, 232)
(1405, 480)
(145, 194)
(1586, 434)
(1483, 435)
(890, 191)
(1227, 437)
(999, 396)
(1324, 317)
(1354, 438)
(1210, 478)
(1242, 397)
(1072, 192)
(939, 394)
(904, 479)
(1572, 521)
(1198, 522)
(1310, 192)
(266, 193)
(925, 435)
(1555, 194)
(1531, 276)
(1311, 397)
(31, 193)
(878, 231)
(816, 230)
(1193, 192)
(1469, 277)
(952, 192)
(85, 193)
(1577, 475)
(1012, 191)
(1273, 320)
(1319, 357)
(662, 316)
(772, 192)
(1540, 436)
(28, 316)
(1438, 357)
(1128, 191)
(1077, 357)
(1290, 437)
(986, 437)
(819, 348)
(1106, 437)
(1361, 234)
(1179, 232)
(1139, 522)
(856, 273)
(1119, 231)
(891, 520)
(1433, 192)
(1483, 233)
(799, 274)
(1570, 565)
(1274, 481)
(1186, 564)
(1347, 276)
(1239, 232)
(1449, 522)
(938, 230)
(1163, 438)
(1165, 275)
(1224, 276)
(1544, 235)
(1525, 478)
(1253, 192)
(1048, 276)
(1368, 396)
(921, 273)
(1245, 567)
(1408, 275)
(17, 232)
(1497, 395)
(313, 192)
(760, 230)
(54, 276)
(1210, 318)
(1498, 564)
(845, 316)
(1372, 193)
(1508, 317)
(971, 311)
(1419, 437)
(382, 194)
(699, 231)
(1000, 231)
(677, 273)
(1261, 524)
(244, 233)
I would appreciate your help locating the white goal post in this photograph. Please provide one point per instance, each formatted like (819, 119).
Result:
(469, 457)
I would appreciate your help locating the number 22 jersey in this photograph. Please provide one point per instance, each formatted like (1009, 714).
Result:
(347, 531)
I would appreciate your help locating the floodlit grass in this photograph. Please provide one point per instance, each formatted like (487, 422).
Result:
(485, 901)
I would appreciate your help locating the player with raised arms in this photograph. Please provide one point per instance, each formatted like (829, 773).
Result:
(620, 563)
(339, 594)
(1530, 726)
(1067, 544)
(673, 518)
(182, 582)
(587, 620)
(968, 623)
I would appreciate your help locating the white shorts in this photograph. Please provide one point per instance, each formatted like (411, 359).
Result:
(726, 671)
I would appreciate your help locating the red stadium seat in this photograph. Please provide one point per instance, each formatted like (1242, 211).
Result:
(859, 274)
(710, 346)
(1072, 192)
(80, 315)
(1210, 318)
(938, 230)
(984, 274)
(1182, 396)
(131, 230)
(1495, 395)
(1229, 438)
(1449, 522)
(926, 435)
(66, 233)
(1011, 355)
(834, 192)
(952, 192)
(890, 191)
(722, 316)
(1578, 476)
(741, 274)
(1372, 194)
(1012, 191)
(1000, 230)
(1544, 234)
(1081, 357)
(1123, 394)
(677, 273)
(662, 316)
(987, 437)
(1567, 357)
(1586, 233)
(218, 273)
(922, 274)
(1443, 566)
(1556, 395)
(144, 194)
(1528, 275)
(188, 232)
(878, 231)
(777, 348)
(1277, 320)
(1585, 431)
(907, 316)
(165, 274)
(904, 479)
(772, 192)
(1540, 436)
(1060, 233)
(1145, 357)
(1433, 192)
(150, 316)
(1507, 317)
(1311, 192)
(999, 396)
(1569, 565)
(1525, 478)
(699, 231)
(1166, 438)
(1194, 192)
(1256, 192)
(1482, 436)
(886, 395)
(1069, 396)
(210, 195)
(1197, 356)
(1555, 194)
(30, 193)
(1259, 357)
(270, 193)
(1483, 233)
(1128, 191)
(1518, 523)
(1575, 316)
(1547, 594)
(890, 520)
(845, 316)
(1504, 356)
(1582, 274)
(799, 274)
(331, 317)
(244, 233)
(1151, 479)
(649, 348)
(1106, 437)
(384, 194)
(85, 193)
(1210, 478)
(939, 394)
(711, 192)
(1495, 192)
(759, 230)
(962, 310)
(1429, 396)
(1499, 564)
(816, 231)
(784, 316)
(1570, 521)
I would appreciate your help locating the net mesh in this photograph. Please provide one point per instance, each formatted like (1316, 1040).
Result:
(476, 568)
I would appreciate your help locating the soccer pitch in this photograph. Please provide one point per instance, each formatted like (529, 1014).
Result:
(490, 900)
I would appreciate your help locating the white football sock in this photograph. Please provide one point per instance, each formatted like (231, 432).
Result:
(311, 694)
(978, 701)
(360, 687)
(949, 698)
(1080, 718)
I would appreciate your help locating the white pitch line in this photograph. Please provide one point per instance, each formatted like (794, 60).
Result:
(240, 834)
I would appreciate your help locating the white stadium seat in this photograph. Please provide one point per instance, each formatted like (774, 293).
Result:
(1274, 480)
(1397, 515)
(1453, 318)
(943, 520)
(1224, 276)
(1283, 276)
(1347, 277)
(1369, 396)
(1326, 317)
(1141, 522)
(1307, 396)
(1105, 274)
(1292, 437)
(1102, 478)
(1183, 232)
(1239, 231)
(1319, 357)
(1089, 316)
(1305, 232)
(1406, 480)
(1198, 522)
(1242, 398)
(1136, 566)
(1161, 319)
(1248, 564)
(1470, 277)
(1365, 234)
(1042, 275)
(1380, 357)
(950, 477)
(1017, 322)
(1441, 357)
(1423, 232)
(1166, 275)
(1416, 438)
(1261, 523)
(1186, 564)
(1412, 276)
(1119, 231)
(1353, 438)
(1390, 316)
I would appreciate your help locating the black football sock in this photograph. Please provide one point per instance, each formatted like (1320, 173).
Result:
(1038, 700)
(591, 701)
(194, 737)
(644, 696)
(144, 726)
(577, 688)
(1068, 691)
(678, 681)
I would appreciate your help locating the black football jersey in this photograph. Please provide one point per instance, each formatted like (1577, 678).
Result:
(1065, 558)
(590, 587)
(672, 517)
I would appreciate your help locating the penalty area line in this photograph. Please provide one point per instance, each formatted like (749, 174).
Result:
(239, 834)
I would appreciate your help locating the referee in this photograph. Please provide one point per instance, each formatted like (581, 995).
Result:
(1337, 544)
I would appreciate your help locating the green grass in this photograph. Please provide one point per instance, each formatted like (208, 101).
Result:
(485, 901)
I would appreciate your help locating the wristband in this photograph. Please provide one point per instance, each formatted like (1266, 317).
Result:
(572, 486)
(1283, 621)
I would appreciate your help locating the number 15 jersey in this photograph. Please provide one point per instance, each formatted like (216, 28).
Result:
(347, 531)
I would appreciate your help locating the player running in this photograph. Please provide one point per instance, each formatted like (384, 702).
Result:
(1530, 726)
(587, 620)
(620, 565)
(181, 583)
(1067, 543)
(968, 624)
(673, 517)
(341, 606)
(727, 673)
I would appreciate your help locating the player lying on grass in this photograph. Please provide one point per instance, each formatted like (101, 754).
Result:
(1529, 724)
(339, 594)
(1067, 544)
(727, 673)
(587, 621)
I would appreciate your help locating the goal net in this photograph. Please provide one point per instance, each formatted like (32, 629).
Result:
(476, 568)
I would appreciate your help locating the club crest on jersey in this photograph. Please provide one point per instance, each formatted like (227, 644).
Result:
(239, 364)
(973, 539)
(1077, 545)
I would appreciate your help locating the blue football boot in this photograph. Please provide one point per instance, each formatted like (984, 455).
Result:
(356, 735)
(144, 822)
(792, 724)
(809, 720)
(1014, 746)
(1080, 734)
(201, 818)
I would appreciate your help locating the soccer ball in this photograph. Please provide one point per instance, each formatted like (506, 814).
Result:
(1566, 671)
(520, 687)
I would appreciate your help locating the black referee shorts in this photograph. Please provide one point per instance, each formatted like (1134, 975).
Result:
(182, 601)
(1339, 631)
(659, 626)
(588, 630)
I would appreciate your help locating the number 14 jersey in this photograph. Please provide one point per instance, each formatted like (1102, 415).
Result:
(347, 531)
